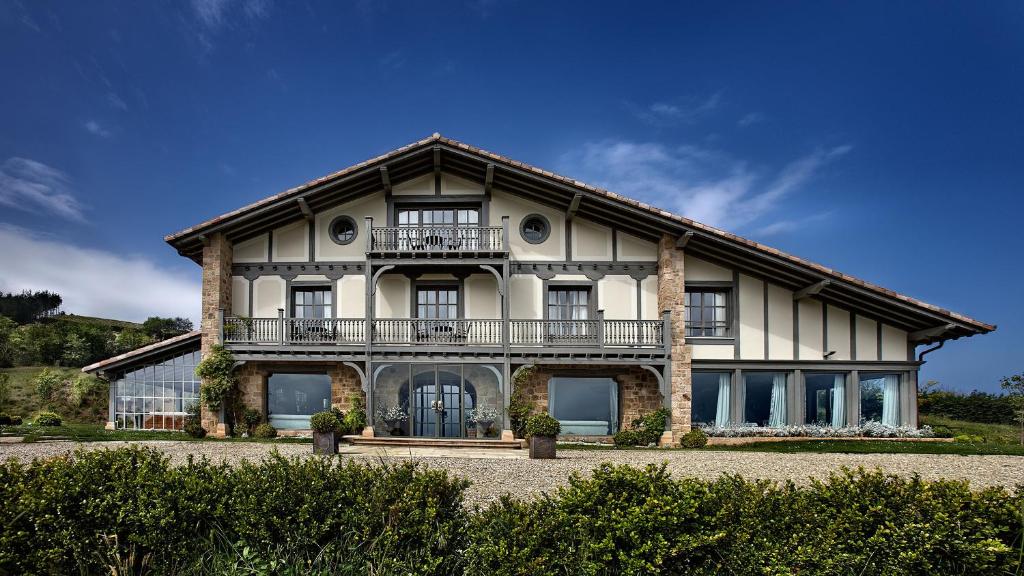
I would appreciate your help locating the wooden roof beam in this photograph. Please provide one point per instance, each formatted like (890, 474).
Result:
(683, 240)
(385, 179)
(929, 333)
(574, 206)
(306, 212)
(489, 179)
(811, 290)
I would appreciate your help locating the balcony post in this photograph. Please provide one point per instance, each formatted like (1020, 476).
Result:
(504, 233)
(369, 233)
(280, 326)
(600, 328)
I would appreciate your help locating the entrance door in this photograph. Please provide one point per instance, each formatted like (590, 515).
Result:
(437, 401)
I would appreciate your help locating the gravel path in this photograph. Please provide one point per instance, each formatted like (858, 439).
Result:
(492, 477)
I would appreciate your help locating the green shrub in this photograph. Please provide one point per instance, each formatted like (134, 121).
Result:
(644, 431)
(15, 420)
(48, 384)
(695, 438)
(47, 419)
(217, 373)
(627, 438)
(970, 439)
(354, 420)
(542, 425)
(324, 422)
(942, 431)
(974, 407)
(193, 424)
(84, 387)
(265, 430)
(5, 419)
(131, 507)
(628, 521)
(520, 408)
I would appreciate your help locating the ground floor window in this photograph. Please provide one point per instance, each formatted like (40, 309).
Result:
(293, 397)
(880, 398)
(711, 397)
(825, 399)
(438, 400)
(584, 406)
(764, 399)
(155, 396)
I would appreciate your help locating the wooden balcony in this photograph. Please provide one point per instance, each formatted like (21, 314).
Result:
(427, 333)
(437, 241)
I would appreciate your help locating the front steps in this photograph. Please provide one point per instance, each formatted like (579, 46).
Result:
(404, 441)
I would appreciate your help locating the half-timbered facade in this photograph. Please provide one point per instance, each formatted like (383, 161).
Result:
(430, 279)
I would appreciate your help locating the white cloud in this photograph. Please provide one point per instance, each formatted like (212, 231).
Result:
(96, 129)
(700, 183)
(215, 13)
(95, 282)
(116, 101)
(662, 113)
(750, 119)
(791, 225)
(33, 187)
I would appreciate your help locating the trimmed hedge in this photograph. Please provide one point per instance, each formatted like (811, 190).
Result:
(974, 407)
(130, 508)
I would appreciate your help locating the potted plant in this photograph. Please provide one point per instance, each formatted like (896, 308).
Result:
(392, 417)
(482, 419)
(541, 430)
(325, 426)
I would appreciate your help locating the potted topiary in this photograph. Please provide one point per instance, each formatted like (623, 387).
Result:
(481, 419)
(325, 425)
(541, 430)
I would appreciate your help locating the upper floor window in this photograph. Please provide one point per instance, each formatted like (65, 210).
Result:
(437, 302)
(569, 303)
(707, 312)
(431, 217)
(311, 302)
(535, 228)
(343, 230)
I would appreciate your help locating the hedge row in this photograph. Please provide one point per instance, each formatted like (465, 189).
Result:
(130, 511)
(974, 407)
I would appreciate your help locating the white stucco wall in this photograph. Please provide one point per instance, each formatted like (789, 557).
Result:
(239, 296)
(525, 298)
(696, 269)
(713, 352)
(267, 296)
(591, 242)
(894, 343)
(393, 297)
(372, 205)
(291, 242)
(780, 323)
(751, 301)
(633, 249)
(811, 329)
(839, 333)
(482, 298)
(251, 250)
(504, 204)
(867, 339)
(617, 296)
(352, 296)
(649, 298)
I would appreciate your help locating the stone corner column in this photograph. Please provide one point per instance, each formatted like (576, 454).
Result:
(671, 298)
(217, 260)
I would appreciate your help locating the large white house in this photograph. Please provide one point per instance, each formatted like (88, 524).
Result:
(429, 279)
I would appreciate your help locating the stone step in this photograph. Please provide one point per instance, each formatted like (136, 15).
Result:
(434, 442)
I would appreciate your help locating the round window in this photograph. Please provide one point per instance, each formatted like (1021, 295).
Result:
(343, 230)
(535, 228)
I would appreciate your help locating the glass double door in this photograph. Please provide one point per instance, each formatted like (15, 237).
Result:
(439, 400)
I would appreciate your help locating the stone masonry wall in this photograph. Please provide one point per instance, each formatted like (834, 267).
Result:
(252, 382)
(217, 259)
(671, 297)
(638, 388)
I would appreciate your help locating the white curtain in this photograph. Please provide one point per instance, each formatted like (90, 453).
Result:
(724, 395)
(891, 400)
(777, 414)
(839, 401)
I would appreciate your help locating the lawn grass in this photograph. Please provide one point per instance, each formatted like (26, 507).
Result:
(97, 433)
(993, 433)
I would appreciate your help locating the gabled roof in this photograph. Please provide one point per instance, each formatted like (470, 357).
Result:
(930, 322)
(173, 344)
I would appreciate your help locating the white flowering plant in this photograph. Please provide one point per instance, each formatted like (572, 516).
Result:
(484, 414)
(395, 413)
(869, 429)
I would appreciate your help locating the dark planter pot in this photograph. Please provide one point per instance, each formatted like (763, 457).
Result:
(542, 447)
(324, 443)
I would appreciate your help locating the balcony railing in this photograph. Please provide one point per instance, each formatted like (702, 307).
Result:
(455, 332)
(428, 239)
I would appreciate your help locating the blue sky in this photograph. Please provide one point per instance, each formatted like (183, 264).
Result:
(884, 139)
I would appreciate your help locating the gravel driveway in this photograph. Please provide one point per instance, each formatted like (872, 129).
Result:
(508, 471)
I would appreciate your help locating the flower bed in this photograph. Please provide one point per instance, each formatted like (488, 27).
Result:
(866, 430)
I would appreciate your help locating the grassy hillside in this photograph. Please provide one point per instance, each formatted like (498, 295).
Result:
(24, 402)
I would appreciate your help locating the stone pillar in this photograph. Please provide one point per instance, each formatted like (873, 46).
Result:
(216, 297)
(671, 298)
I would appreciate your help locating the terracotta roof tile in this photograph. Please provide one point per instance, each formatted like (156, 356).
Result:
(140, 351)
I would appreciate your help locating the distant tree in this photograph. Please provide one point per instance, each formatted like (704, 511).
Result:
(28, 306)
(5, 390)
(159, 328)
(76, 350)
(1014, 386)
(7, 328)
(129, 339)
